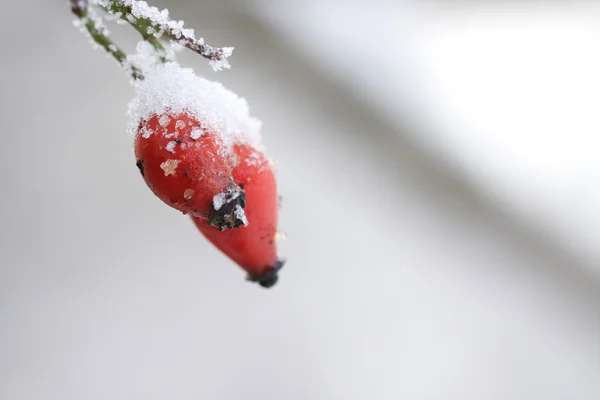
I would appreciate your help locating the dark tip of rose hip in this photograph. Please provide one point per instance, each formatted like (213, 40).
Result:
(269, 282)
(270, 277)
(140, 165)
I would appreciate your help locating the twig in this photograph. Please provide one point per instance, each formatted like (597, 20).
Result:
(99, 34)
(142, 25)
(153, 24)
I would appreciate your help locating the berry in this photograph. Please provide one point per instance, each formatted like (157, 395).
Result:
(186, 166)
(252, 247)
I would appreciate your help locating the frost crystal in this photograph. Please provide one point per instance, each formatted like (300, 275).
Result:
(226, 196)
(218, 65)
(196, 133)
(145, 132)
(98, 22)
(218, 201)
(171, 146)
(164, 120)
(145, 57)
(170, 89)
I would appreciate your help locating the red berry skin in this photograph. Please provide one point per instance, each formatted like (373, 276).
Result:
(183, 166)
(252, 247)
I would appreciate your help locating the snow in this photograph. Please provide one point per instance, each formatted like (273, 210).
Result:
(145, 132)
(95, 18)
(145, 57)
(164, 120)
(170, 89)
(218, 201)
(98, 21)
(196, 133)
(241, 214)
(171, 146)
(226, 196)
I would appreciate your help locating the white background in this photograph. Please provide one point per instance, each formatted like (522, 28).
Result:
(421, 263)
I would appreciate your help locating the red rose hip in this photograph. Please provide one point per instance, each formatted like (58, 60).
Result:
(186, 166)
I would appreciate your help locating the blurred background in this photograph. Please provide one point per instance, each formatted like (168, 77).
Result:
(440, 177)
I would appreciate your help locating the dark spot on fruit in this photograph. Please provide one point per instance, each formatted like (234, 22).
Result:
(140, 165)
(177, 141)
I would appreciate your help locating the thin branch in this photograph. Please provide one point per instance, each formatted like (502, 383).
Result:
(142, 25)
(154, 24)
(99, 34)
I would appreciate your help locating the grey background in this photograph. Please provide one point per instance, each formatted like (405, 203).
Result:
(400, 282)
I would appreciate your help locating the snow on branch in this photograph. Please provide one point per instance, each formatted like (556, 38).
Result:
(153, 24)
